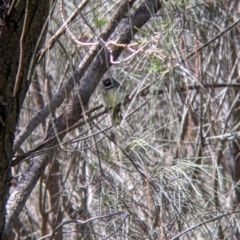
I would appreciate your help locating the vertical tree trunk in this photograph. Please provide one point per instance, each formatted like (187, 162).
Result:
(21, 26)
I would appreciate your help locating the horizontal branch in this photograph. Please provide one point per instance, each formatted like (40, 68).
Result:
(142, 93)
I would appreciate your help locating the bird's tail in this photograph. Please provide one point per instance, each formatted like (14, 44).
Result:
(116, 115)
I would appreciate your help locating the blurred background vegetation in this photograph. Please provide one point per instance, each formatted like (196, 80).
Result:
(173, 168)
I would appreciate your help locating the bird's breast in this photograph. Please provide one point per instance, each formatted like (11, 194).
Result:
(112, 98)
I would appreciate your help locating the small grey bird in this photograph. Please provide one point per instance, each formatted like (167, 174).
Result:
(113, 96)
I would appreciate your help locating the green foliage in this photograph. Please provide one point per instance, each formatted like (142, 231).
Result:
(101, 22)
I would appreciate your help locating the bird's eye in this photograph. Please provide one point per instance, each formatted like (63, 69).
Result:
(107, 83)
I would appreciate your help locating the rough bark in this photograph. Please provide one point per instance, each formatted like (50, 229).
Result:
(20, 29)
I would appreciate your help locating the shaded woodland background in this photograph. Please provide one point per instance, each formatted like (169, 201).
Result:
(171, 170)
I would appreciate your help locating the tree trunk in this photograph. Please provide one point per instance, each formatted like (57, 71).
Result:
(21, 27)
